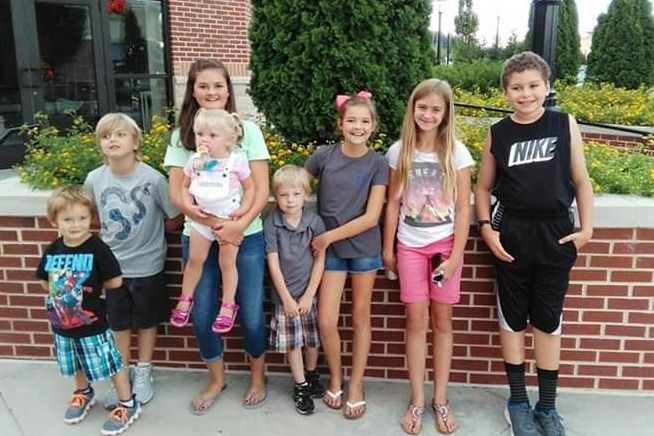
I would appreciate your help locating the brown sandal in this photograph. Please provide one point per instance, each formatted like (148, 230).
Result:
(413, 425)
(443, 412)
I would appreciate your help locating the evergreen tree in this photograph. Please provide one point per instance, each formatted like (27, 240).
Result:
(305, 53)
(466, 23)
(568, 45)
(622, 50)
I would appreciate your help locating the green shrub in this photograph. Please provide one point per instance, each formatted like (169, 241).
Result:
(305, 53)
(480, 76)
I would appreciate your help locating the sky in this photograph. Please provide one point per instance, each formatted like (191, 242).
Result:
(514, 16)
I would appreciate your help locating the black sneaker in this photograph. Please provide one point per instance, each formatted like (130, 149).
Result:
(313, 378)
(302, 398)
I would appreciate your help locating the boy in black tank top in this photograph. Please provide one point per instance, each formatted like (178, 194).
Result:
(533, 163)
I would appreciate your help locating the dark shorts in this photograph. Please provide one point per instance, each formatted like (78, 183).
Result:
(532, 287)
(140, 303)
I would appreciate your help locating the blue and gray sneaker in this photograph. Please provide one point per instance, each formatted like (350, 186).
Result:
(550, 422)
(111, 396)
(520, 417)
(121, 418)
(78, 405)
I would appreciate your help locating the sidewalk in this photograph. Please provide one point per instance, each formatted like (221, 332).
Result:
(33, 397)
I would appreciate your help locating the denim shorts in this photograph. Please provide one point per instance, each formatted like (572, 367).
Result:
(353, 264)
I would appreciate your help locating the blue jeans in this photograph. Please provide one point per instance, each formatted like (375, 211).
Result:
(250, 264)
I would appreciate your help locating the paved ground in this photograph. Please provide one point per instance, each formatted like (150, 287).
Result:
(33, 396)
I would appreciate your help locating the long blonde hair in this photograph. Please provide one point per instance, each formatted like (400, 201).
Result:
(445, 136)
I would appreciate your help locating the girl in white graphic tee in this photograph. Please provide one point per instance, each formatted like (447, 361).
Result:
(428, 210)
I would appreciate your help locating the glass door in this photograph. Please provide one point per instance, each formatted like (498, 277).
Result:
(70, 58)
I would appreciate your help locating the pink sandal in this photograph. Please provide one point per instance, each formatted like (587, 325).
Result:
(180, 317)
(224, 323)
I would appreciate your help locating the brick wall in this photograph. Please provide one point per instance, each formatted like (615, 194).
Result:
(620, 141)
(209, 29)
(608, 332)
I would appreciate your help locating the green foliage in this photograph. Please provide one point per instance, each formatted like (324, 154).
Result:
(622, 51)
(305, 53)
(568, 54)
(55, 158)
(466, 23)
(598, 103)
(619, 171)
(479, 75)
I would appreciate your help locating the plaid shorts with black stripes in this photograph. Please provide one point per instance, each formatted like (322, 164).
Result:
(96, 355)
(288, 333)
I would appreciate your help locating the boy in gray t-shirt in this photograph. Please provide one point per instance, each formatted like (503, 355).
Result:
(133, 203)
(295, 274)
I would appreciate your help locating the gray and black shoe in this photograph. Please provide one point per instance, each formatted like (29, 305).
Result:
(302, 399)
(313, 378)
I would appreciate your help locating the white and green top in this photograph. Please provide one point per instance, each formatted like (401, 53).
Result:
(252, 144)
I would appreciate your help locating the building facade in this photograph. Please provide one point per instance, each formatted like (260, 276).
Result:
(98, 56)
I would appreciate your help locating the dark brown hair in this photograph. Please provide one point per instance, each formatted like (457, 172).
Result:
(527, 60)
(190, 105)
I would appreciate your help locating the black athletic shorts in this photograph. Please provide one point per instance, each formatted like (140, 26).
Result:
(140, 303)
(532, 287)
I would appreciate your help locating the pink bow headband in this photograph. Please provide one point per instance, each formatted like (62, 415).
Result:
(341, 99)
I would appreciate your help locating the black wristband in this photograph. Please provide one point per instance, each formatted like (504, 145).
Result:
(482, 223)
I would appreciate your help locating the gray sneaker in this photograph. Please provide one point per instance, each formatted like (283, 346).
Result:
(111, 396)
(121, 418)
(142, 386)
(550, 422)
(78, 405)
(520, 417)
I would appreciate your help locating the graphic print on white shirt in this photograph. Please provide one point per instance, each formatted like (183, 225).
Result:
(425, 204)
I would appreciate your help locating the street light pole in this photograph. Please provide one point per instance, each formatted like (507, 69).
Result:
(438, 38)
(544, 30)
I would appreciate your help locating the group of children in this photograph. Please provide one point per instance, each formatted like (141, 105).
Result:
(532, 163)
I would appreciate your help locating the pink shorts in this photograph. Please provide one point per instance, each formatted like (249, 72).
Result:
(414, 268)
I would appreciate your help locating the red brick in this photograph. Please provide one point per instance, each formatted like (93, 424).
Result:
(631, 276)
(588, 275)
(618, 357)
(596, 247)
(597, 370)
(643, 291)
(645, 234)
(618, 383)
(645, 262)
(599, 344)
(629, 303)
(43, 223)
(612, 261)
(633, 248)
(20, 249)
(8, 235)
(15, 338)
(13, 312)
(584, 303)
(636, 345)
(613, 233)
(576, 382)
(607, 290)
(638, 371)
(39, 235)
(641, 318)
(648, 385)
(602, 316)
(31, 326)
(471, 338)
(33, 351)
(7, 351)
(581, 329)
(15, 221)
(20, 274)
(12, 287)
(648, 358)
(495, 379)
(578, 355)
(386, 362)
(11, 262)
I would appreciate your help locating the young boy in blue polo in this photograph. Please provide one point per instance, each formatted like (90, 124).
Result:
(533, 163)
(295, 273)
(74, 270)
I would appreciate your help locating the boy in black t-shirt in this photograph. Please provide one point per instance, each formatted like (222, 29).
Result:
(73, 270)
(533, 163)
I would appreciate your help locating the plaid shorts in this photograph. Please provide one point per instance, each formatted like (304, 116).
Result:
(288, 333)
(96, 355)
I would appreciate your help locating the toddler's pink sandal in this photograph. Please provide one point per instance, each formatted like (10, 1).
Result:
(224, 323)
(180, 317)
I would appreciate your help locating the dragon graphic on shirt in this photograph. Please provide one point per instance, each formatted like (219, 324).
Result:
(120, 214)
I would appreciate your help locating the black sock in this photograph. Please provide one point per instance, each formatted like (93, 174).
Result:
(547, 382)
(516, 376)
(85, 391)
(129, 403)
